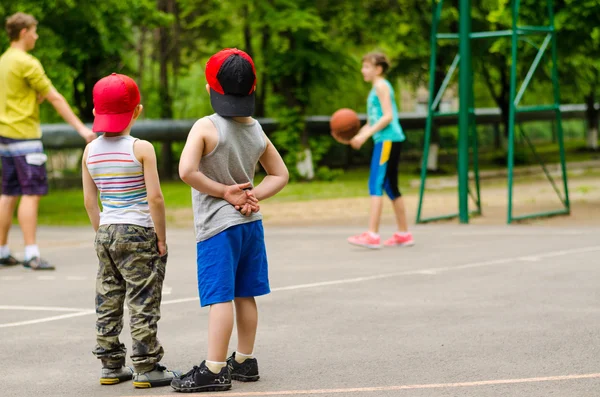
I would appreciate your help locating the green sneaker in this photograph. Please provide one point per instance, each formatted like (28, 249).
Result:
(159, 376)
(112, 376)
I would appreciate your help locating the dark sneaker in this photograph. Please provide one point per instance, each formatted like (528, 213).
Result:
(9, 261)
(37, 263)
(244, 372)
(112, 376)
(159, 376)
(202, 379)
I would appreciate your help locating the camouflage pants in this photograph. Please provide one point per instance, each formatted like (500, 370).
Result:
(130, 268)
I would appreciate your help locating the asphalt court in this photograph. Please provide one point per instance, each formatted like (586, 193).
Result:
(468, 311)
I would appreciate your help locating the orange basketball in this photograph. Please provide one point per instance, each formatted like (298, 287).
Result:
(344, 124)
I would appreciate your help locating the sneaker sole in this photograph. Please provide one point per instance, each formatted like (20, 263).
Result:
(243, 378)
(109, 381)
(157, 383)
(410, 244)
(369, 246)
(39, 268)
(203, 388)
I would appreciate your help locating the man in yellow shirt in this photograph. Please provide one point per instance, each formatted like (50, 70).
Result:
(23, 86)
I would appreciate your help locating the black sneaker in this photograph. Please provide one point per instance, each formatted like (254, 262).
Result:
(244, 372)
(37, 263)
(9, 261)
(201, 379)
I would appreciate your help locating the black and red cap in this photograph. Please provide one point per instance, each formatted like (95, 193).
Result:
(231, 75)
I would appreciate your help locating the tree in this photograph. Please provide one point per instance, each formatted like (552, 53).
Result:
(87, 39)
(578, 24)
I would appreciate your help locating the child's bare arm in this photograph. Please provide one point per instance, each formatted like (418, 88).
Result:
(277, 173)
(189, 173)
(144, 151)
(90, 193)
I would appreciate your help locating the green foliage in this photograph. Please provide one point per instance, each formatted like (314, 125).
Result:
(287, 138)
(307, 53)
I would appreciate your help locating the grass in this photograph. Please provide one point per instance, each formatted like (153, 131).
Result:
(65, 206)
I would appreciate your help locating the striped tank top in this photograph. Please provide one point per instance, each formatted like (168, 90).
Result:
(119, 177)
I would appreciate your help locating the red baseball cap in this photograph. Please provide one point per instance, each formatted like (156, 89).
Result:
(231, 75)
(115, 99)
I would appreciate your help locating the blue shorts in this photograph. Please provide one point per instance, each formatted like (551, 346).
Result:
(233, 264)
(384, 169)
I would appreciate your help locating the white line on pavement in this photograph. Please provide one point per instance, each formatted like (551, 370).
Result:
(428, 271)
(42, 308)
(48, 319)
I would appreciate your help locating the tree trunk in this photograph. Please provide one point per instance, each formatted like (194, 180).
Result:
(141, 57)
(591, 115)
(502, 97)
(166, 106)
(175, 50)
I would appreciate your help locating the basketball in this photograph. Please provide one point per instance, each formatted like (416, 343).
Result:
(344, 124)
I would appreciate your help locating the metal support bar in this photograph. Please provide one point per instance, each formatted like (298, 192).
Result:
(465, 88)
(447, 36)
(437, 11)
(445, 114)
(444, 217)
(541, 215)
(512, 108)
(445, 83)
(490, 35)
(536, 29)
(536, 108)
(532, 69)
(475, 148)
(561, 142)
(528, 41)
(521, 31)
(541, 162)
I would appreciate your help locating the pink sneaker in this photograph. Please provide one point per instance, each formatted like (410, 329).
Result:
(398, 240)
(366, 240)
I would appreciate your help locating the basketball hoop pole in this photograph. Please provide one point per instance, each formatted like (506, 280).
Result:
(465, 90)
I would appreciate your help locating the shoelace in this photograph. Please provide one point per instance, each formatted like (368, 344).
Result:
(192, 373)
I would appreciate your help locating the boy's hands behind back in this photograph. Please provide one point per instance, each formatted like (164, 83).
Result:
(243, 200)
(251, 206)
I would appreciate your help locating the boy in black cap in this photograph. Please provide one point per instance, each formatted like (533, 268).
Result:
(218, 162)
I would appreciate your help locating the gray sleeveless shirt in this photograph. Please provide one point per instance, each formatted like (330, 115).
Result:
(233, 161)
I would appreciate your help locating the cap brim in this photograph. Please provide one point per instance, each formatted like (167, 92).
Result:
(232, 105)
(112, 122)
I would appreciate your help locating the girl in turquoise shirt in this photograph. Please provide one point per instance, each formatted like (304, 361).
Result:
(383, 126)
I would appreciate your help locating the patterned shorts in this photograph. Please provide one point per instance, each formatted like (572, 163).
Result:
(23, 167)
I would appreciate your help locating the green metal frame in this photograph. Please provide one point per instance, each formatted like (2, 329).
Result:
(467, 128)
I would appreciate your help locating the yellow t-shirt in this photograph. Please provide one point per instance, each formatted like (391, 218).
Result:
(22, 79)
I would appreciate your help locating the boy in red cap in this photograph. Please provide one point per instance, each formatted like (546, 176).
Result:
(218, 162)
(130, 236)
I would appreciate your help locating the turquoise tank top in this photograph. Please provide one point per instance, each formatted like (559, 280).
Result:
(393, 131)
